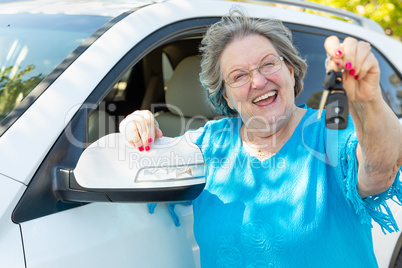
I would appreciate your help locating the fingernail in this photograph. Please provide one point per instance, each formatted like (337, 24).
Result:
(348, 65)
(150, 140)
(141, 148)
(352, 72)
(147, 148)
(338, 53)
(356, 77)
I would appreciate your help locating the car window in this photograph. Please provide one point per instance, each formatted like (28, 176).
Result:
(32, 45)
(162, 62)
(311, 48)
(391, 84)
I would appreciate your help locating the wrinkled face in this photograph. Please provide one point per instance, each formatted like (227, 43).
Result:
(266, 100)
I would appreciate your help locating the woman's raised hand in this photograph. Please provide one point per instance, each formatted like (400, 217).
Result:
(361, 77)
(140, 129)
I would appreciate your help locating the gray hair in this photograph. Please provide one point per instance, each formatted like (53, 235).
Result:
(237, 25)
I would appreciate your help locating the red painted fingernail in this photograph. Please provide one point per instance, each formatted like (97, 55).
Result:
(356, 77)
(141, 148)
(338, 53)
(352, 72)
(150, 140)
(348, 65)
(147, 148)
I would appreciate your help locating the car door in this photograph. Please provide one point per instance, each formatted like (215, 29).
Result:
(60, 234)
(11, 247)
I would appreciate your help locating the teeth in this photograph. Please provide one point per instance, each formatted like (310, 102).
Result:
(263, 97)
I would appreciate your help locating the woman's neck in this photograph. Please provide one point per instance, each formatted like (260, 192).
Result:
(262, 143)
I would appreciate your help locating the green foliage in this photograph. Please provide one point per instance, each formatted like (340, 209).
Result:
(14, 89)
(387, 13)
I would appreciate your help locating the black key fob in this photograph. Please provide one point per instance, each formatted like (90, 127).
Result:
(336, 111)
(337, 106)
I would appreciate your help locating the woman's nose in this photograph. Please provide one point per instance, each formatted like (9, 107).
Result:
(257, 79)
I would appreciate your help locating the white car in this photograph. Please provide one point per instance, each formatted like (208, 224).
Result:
(70, 71)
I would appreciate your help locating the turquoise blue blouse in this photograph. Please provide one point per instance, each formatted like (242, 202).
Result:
(299, 208)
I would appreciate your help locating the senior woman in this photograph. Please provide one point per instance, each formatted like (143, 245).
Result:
(282, 189)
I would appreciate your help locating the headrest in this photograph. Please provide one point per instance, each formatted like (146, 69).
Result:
(185, 94)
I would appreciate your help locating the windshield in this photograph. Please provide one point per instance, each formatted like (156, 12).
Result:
(32, 45)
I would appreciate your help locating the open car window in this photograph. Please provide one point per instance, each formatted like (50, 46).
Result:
(153, 72)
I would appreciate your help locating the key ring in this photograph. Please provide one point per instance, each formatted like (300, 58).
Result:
(326, 63)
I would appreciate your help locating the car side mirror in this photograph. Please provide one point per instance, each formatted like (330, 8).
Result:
(111, 170)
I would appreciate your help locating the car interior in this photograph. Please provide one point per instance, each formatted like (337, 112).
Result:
(166, 82)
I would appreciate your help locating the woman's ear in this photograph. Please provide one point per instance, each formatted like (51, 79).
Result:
(224, 94)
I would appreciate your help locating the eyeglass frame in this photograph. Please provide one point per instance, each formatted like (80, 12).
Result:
(278, 58)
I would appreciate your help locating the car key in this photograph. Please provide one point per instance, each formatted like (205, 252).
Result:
(335, 100)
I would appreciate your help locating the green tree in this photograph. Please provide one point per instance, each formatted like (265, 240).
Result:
(13, 89)
(387, 13)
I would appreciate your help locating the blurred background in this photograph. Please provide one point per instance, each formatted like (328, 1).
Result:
(388, 13)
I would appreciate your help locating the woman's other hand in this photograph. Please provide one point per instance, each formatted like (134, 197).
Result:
(140, 129)
(361, 76)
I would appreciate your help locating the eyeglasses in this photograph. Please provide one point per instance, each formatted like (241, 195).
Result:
(271, 64)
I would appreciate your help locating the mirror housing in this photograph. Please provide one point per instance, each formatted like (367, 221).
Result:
(111, 170)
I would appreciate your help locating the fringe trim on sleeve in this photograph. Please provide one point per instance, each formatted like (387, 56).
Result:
(372, 207)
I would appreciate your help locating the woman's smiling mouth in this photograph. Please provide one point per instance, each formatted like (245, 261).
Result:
(266, 99)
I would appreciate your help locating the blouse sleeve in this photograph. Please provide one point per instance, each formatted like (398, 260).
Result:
(372, 207)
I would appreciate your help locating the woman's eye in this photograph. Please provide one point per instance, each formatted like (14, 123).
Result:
(238, 76)
(268, 64)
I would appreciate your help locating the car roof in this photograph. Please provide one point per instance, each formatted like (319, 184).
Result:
(113, 8)
(108, 8)
(291, 11)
